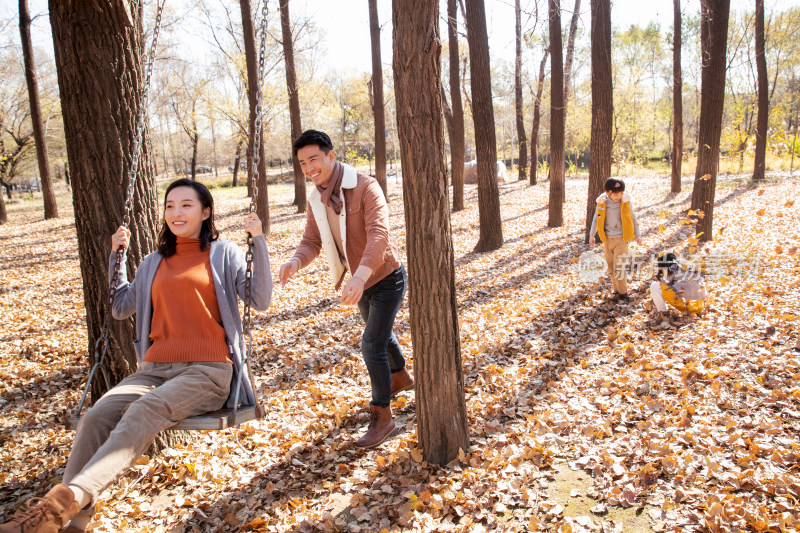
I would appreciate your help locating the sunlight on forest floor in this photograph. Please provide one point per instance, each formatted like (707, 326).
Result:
(584, 414)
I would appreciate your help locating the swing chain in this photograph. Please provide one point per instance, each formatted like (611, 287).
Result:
(140, 119)
(256, 158)
(101, 345)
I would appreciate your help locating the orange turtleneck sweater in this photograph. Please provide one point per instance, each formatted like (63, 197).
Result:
(186, 324)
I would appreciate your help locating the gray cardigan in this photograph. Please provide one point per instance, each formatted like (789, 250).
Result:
(228, 268)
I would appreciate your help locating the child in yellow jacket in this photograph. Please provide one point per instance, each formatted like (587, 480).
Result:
(677, 286)
(615, 222)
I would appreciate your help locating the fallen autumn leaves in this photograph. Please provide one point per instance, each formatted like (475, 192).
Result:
(694, 421)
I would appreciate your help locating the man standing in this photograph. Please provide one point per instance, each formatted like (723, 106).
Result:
(349, 219)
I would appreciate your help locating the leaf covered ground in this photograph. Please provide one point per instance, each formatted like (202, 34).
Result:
(584, 414)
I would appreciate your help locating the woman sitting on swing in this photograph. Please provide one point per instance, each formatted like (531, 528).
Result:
(189, 332)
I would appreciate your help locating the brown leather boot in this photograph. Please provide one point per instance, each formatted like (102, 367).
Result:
(44, 515)
(401, 381)
(381, 426)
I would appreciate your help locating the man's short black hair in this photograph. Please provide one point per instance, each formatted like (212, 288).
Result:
(614, 185)
(310, 137)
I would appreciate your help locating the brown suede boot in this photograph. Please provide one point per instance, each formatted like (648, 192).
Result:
(44, 515)
(381, 426)
(401, 381)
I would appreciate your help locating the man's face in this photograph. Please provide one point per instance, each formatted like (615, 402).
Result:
(316, 164)
(615, 196)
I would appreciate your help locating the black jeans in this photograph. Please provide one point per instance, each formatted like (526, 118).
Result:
(379, 347)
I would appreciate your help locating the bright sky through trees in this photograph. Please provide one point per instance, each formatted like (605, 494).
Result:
(345, 24)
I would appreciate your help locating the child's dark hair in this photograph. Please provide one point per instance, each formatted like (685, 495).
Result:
(664, 261)
(309, 137)
(614, 185)
(167, 241)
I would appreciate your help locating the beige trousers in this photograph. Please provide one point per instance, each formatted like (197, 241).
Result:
(120, 427)
(617, 255)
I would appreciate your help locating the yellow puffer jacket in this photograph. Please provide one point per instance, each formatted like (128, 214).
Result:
(628, 233)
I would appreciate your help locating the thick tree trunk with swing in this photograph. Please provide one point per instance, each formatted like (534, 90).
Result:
(251, 58)
(441, 409)
(294, 104)
(100, 80)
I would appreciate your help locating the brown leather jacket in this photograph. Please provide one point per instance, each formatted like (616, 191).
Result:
(364, 227)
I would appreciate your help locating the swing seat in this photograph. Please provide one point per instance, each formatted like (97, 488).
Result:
(213, 421)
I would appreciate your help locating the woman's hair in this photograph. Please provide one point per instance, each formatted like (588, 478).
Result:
(208, 232)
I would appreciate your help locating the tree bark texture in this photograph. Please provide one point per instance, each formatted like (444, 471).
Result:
(49, 197)
(491, 228)
(521, 137)
(448, 118)
(377, 92)
(536, 118)
(100, 80)
(3, 210)
(677, 99)
(555, 214)
(762, 122)
(714, 16)
(294, 104)
(600, 144)
(251, 58)
(573, 29)
(457, 140)
(441, 408)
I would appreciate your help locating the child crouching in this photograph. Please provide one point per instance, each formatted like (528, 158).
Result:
(677, 286)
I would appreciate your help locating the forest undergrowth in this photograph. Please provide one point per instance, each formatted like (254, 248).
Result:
(690, 423)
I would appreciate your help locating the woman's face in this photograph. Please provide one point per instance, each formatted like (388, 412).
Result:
(184, 213)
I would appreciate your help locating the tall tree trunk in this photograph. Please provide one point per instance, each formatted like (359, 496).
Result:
(677, 99)
(713, 43)
(441, 409)
(573, 29)
(294, 104)
(448, 120)
(600, 144)
(236, 159)
(50, 205)
(536, 118)
(251, 58)
(555, 214)
(491, 227)
(377, 92)
(3, 211)
(457, 140)
(523, 141)
(100, 81)
(763, 95)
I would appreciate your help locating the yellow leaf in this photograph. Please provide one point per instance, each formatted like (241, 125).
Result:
(706, 177)
(760, 212)
(778, 250)
(693, 241)
(416, 454)
(789, 203)
(661, 228)
(760, 192)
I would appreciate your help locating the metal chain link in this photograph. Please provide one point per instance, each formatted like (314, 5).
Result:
(101, 345)
(254, 179)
